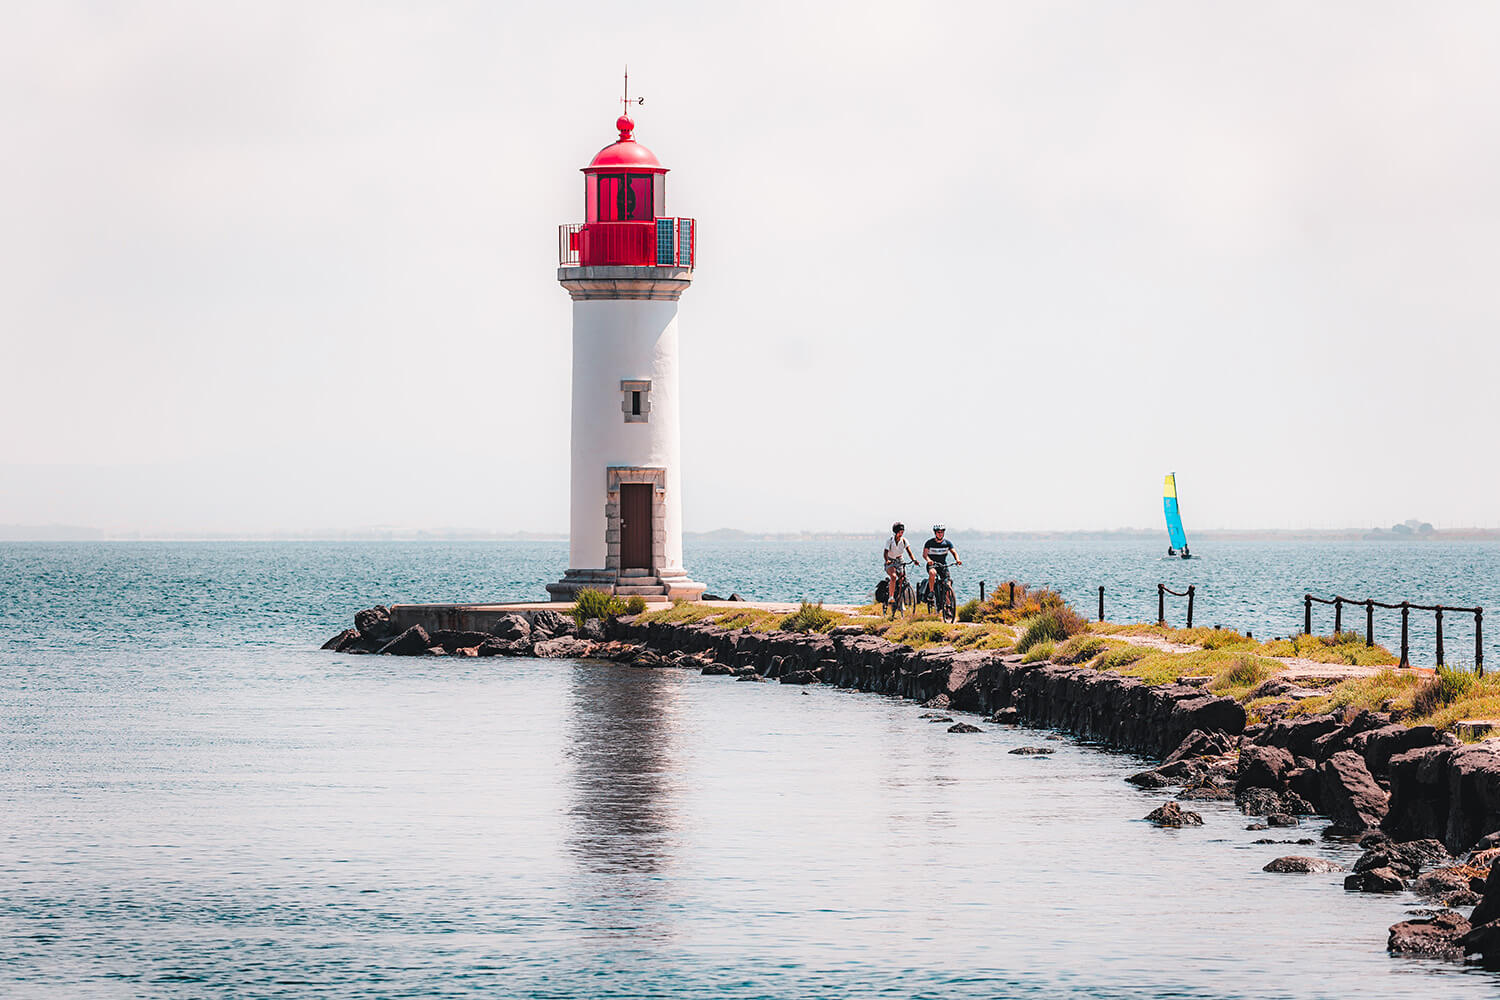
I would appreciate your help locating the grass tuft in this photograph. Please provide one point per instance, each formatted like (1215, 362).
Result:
(1079, 649)
(1037, 653)
(593, 603)
(809, 618)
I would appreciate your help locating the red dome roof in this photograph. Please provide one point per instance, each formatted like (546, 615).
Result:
(626, 153)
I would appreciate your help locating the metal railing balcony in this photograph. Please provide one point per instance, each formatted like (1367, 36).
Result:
(670, 242)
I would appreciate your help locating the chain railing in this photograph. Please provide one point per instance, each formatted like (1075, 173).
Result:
(1406, 608)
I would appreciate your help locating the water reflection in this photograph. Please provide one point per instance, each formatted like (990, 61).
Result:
(621, 816)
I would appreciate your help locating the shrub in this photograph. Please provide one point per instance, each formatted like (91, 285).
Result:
(1045, 627)
(809, 618)
(591, 603)
(1038, 653)
(636, 605)
(1244, 673)
(1122, 656)
(1445, 688)
(1079, 649)
(969, 610)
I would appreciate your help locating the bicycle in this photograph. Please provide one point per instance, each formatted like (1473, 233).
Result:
(901, 597)
(940, 598)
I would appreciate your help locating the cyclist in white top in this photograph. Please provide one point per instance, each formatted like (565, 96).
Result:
(896, 550)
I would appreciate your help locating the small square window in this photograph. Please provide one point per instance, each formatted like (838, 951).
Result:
(636, 403)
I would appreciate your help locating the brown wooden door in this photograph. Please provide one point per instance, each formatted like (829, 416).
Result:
(635, 525)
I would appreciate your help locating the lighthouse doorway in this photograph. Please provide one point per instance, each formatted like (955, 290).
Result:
(635, 525)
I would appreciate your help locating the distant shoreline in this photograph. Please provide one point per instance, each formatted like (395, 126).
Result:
(69, 533)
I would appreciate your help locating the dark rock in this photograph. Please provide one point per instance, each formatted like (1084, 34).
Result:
(413, 642)
(711, 597)
(375, 623)
(1387, 856)
(1449, 886)
(1375, 880)
(933, 717)
(963, 727)
(1268, 840)
(1488, 909)
(512, 628)
(466, 651)
(1298, 734)
(745, 671)
(345, 638)
(592, 630)
(453, 639)
(734, 597)
(840, 631)
(752, 677)
(1379, 745)
(500, 647)
(1206, 793)
(547, 624)
(648, 657)
(1257, 826)
(1483, 940)
(717, 670)
(1007, 715)
(564, 647)
(1200, 744)
(1437, 936)
(1263, 767)
(1350, 796)
(1296, 865)
(1171, 814)
(799, 677)
(1281, 819)
(1256, 801)
(436, 651)
(1189, 772)
(1149, 779)
(1033, 751)
(1296, 805)
(1445, 792)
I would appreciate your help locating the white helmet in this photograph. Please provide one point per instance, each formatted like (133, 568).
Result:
(938, 527)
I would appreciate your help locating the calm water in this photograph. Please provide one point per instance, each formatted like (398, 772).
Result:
(198, 802)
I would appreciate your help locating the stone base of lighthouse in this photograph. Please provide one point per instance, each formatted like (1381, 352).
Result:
(653, 585)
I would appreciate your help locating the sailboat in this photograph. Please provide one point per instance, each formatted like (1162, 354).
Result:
(1176, 537)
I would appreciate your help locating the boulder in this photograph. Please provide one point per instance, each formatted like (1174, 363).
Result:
(1297, 865)
(466, 651)
(1448, 886)
(1379, 745)
(592, 630)
(1206, 793)
(375, 623)
(1200, 744)
(1350, 795)
(1488, 909)
(1296, 804)
(454, 639)
(1032, 751)
(512, 627)
(1257, 801)
(1280, 819)
(565, 647)
(1008, 716)
(501, 647)
(1483, 940)
(717, 670)
(547, 624)
(1437, 936)
(1375, 880)
(1149, 779)
(436, 651)
(963, 727)
(1170, 814)
(799, 677)
(413, 642)
(345, 638)
(1298, 734)
(754, 677)
(846, 631)
(1263, 767)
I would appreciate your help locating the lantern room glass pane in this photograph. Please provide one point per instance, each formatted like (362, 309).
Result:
(590, 199)
(659, 194)
(638, 198)
(611, 197)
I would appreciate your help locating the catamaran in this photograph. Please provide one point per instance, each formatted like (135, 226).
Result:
(1176, 537)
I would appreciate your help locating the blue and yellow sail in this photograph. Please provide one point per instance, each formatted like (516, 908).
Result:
(1175, 533)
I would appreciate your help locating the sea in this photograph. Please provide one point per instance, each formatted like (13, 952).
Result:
(198, 802)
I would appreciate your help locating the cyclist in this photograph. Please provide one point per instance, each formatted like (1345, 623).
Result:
(936, 553)
(896, 551)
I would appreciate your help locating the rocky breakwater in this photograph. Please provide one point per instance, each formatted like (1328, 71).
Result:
(541, 634)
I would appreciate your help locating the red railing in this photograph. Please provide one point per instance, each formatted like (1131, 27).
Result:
(668, 242)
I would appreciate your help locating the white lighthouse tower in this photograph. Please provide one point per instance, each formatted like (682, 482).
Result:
(625, 267)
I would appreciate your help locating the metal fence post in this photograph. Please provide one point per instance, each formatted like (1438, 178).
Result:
(1440, 635)
(1405, 617)
(1101, 603)
(1190, 606)
(1012, 593)
(1479, 642)
(1307, 614)
(1370, 622)
(1161, 604)
(1338, 615)
(981, 591)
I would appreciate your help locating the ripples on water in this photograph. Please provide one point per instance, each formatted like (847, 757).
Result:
(197, 803)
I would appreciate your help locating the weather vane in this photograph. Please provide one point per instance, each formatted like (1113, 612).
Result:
(626, 99)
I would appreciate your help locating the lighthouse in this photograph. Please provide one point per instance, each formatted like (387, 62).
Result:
(625, 267)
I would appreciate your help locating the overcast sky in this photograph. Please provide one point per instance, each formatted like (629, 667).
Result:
(291, 266)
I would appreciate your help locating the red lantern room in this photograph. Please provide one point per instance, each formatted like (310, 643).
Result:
(625, 222)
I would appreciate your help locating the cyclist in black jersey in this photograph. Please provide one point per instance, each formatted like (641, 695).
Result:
(936, 551)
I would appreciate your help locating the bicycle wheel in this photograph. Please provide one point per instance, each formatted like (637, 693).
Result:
(950, 609)
(908, 598)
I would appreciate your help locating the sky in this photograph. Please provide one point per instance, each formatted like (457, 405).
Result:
(291, 266)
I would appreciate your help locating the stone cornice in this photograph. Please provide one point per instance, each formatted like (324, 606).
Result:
(661, 284)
